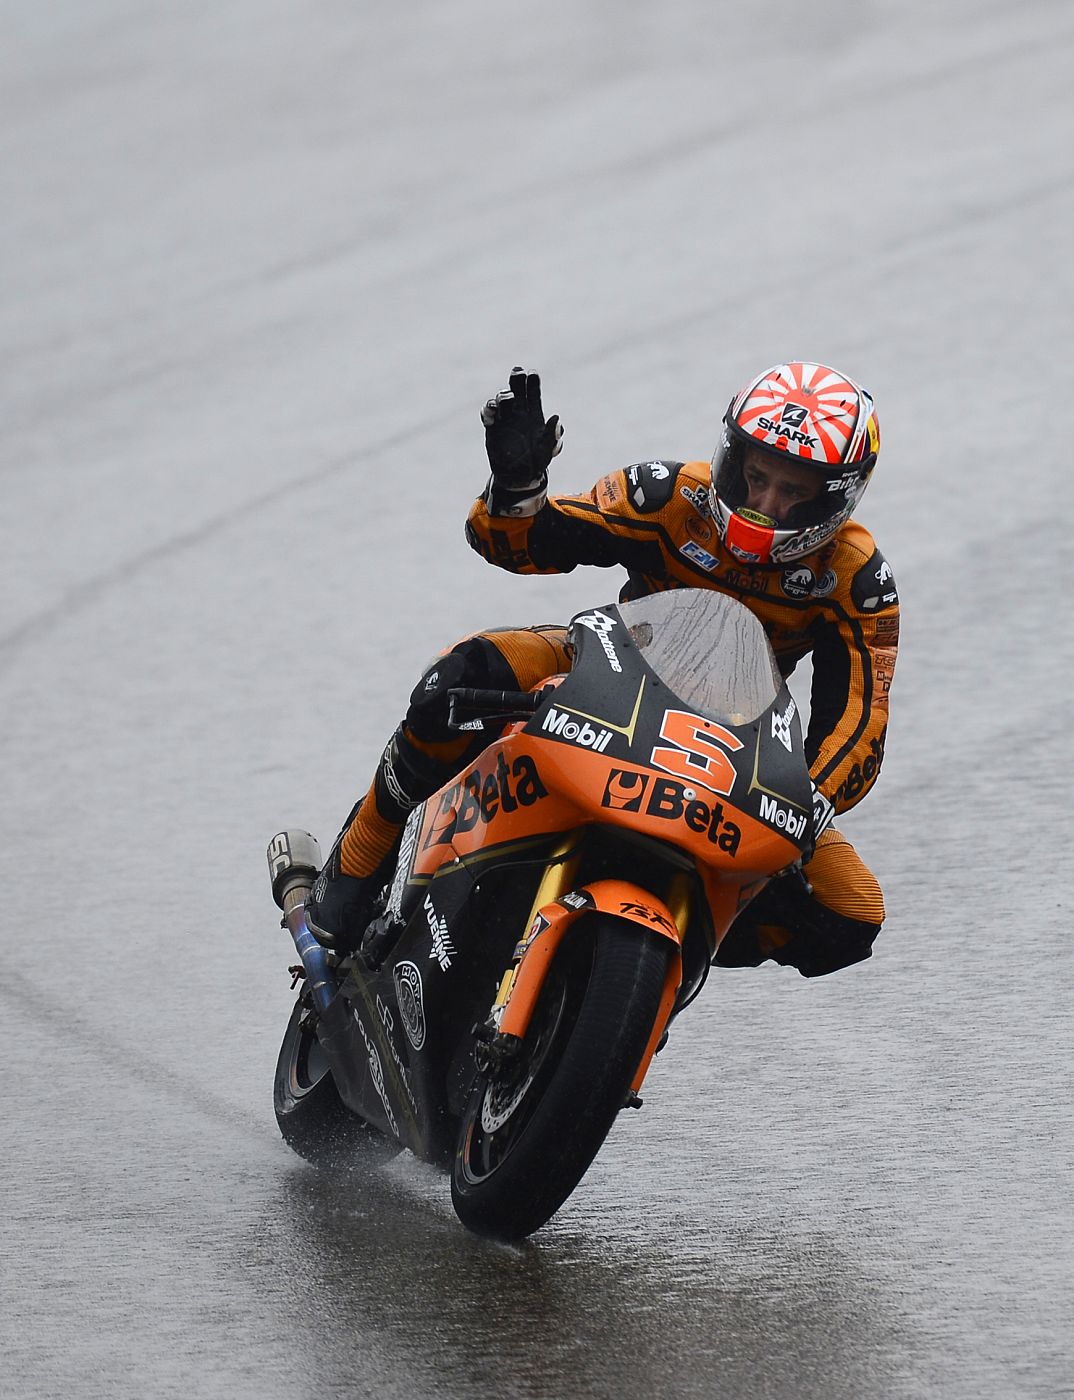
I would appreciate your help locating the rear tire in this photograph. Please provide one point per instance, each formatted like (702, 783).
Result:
(527, 1140)
(314, 1120)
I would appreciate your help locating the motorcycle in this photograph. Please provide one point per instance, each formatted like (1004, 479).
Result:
(552, 909)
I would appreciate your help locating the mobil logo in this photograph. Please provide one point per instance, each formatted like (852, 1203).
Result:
(560, 724)
(792, 823)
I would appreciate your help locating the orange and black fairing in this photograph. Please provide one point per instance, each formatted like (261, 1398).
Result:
(658, 785)
(644, 742)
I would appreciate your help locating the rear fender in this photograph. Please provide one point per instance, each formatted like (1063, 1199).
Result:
(522, 983)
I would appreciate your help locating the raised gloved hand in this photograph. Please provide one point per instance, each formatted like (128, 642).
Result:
(519, 443)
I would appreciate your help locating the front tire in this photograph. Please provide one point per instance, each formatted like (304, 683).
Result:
(527, 1139)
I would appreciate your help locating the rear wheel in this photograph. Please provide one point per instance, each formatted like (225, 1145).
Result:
(530, 1132)
(313, 1119)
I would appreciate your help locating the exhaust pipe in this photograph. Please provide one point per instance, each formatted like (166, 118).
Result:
(294, 858)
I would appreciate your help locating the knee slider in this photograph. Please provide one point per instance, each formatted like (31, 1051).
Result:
(405, 777)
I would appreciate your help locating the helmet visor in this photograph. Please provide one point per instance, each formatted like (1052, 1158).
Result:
(774, 489)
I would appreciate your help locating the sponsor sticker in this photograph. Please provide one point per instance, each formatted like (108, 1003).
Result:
(410, 995)
(577, 899)
(609, 492)
(559, 723)
(443, 950)
(798, 582)
(624, 790)
(781, 817)
(781, 726)
(376, 1073)
(698, 529)
(785, 430)
(668, 800)
(482, 794)
(601, 625)
(636, 910)
(389, 1028)
(693, 551)
(697, 498)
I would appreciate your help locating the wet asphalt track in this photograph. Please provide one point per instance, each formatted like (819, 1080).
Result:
(262, 263)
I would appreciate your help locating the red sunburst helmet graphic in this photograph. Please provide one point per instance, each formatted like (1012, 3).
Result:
(798, 447)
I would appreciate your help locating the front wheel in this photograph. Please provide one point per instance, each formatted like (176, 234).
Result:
(528, 1136)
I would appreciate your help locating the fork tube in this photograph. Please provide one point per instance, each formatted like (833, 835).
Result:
(678, 900)
(557, 879)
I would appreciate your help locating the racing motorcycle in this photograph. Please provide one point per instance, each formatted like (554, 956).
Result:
(552, 909)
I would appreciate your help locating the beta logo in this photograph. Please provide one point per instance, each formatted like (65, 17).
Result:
(624, 790)
(792, 823)
(673, 802)
(559, 723)
(480, 796)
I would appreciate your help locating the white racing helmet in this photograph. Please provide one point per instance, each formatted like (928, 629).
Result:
(807, 415)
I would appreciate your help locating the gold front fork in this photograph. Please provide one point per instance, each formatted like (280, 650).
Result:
(558, 878)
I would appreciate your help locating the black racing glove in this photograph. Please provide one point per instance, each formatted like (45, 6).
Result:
(519, 443)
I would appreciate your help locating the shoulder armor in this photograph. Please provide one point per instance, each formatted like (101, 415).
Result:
(873, 586)
(650, 485)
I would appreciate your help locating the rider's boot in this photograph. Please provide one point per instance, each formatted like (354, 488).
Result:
(818, 919)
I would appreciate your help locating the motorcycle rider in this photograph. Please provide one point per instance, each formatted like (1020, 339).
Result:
(768, 521)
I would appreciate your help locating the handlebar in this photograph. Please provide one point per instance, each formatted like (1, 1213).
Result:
(485, 709)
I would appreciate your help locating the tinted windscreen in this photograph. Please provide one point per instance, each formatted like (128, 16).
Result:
(707, 648)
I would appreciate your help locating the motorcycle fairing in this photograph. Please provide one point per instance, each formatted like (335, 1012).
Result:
(519, 992)
(729, 726)
(594, 754)
(398, 1038)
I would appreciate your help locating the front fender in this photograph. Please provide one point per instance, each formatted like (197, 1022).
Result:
(522, 984)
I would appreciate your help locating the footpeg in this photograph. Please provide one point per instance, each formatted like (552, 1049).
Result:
(379, 939)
